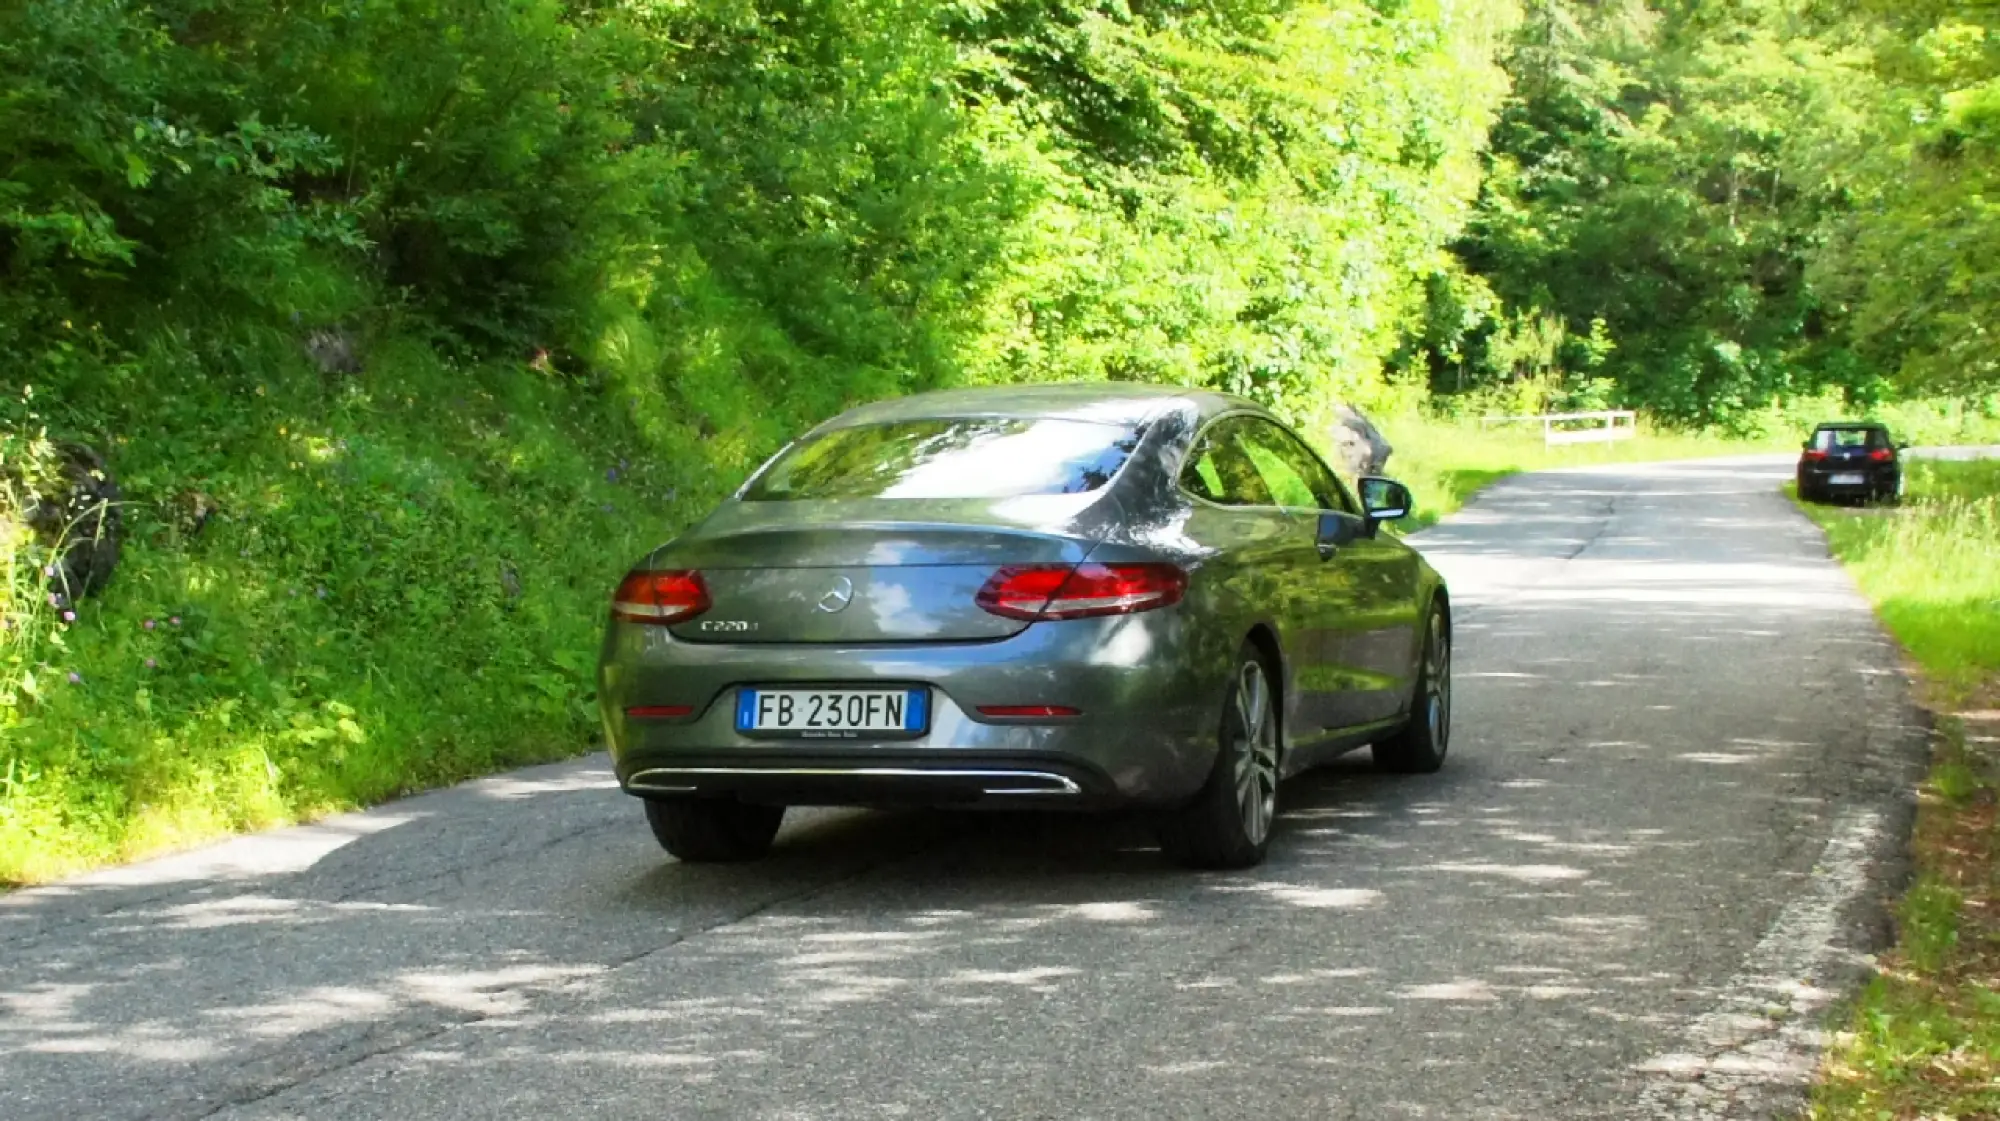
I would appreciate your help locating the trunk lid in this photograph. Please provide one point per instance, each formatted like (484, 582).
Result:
(874, 571)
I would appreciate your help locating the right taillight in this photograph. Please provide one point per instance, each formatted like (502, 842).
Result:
(1038, 592)
(660, 598)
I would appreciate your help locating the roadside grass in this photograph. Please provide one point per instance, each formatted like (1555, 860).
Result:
(1446, 462)
(1923, 1041)
(402, 587)
(1932, 567)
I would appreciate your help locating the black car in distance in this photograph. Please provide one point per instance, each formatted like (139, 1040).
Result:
(1850, 460)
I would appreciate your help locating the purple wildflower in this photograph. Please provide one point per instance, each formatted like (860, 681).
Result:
(148, 624)
(611, 476)
(174, 622)
(75, 678)
(69, 616)
(319, 592)
(150, 663)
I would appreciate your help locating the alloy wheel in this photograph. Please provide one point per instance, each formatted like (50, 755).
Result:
(1437, 683)
(1255, 749)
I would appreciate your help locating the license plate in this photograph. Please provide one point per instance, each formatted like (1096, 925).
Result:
(1848, 480)
(845, 714)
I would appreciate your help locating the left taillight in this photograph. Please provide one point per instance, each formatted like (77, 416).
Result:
(660, 598)
(1038, 592)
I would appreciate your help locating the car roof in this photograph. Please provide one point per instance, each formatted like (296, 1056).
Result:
(1842, 425)
(1105, 402)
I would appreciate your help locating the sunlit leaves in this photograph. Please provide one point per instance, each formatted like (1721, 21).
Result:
(1761, 201)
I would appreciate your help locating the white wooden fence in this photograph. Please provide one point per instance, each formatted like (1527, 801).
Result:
(1576, 428)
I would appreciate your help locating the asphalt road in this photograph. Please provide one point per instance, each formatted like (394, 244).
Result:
(1668, 825)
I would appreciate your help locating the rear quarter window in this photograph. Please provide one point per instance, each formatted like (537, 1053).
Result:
(951, 457)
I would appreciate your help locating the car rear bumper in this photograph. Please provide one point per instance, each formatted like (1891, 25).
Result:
(916, 779)
(1874, 478)
(1149, 696)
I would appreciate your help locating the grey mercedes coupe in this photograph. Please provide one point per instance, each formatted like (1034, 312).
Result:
(1050, 596)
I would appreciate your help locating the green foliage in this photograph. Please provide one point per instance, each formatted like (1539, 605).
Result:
(1268, 234)
(125, 190)
(1913, 257)
(1638, 217)
(450, 308)
(1734, 198)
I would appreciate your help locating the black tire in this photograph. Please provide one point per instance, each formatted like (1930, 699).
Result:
(1808, 494)
(711, 830)
(1228, 824)
(1419, 747)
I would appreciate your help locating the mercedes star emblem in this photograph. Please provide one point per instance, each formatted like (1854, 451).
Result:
(837, 597)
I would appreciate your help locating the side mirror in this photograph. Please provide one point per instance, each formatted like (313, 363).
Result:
(1385, 500)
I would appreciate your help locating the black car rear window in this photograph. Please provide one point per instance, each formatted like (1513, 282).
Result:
(1829, 439)
(951, 457)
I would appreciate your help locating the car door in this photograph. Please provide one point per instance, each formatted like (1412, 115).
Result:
(1315, 596)
(1263, 553)
(1366, 619)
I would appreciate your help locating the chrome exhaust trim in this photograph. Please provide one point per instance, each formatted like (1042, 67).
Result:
(674, 780)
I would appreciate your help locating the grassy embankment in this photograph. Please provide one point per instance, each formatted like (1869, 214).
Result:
(400, 586)
(1924, 1037)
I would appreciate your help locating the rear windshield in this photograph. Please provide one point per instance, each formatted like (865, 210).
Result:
(1828, 439)
(953, 457)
